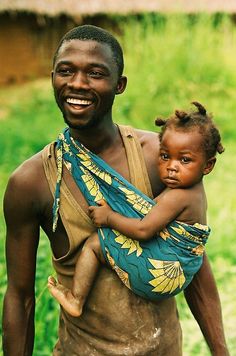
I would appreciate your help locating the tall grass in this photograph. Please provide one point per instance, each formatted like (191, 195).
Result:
(173, 61)
(169, 61)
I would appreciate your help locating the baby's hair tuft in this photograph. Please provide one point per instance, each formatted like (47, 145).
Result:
(160, 122)
(182, 115)
(200, 120)
(200, 107)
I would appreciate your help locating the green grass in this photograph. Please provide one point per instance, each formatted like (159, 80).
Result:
(169, 61)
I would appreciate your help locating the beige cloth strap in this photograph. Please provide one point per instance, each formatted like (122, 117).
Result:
(137, 167)
(49, 165)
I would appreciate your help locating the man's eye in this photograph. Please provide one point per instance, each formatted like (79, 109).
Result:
(95, 74)
(64, 71)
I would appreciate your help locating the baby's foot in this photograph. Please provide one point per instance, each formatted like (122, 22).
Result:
(65, 297)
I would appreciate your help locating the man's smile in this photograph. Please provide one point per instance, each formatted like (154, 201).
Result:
(79, 104)
(74, 101)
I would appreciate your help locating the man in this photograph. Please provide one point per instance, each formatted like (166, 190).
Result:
(87, 74)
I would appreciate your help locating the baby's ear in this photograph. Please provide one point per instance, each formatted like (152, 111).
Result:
(209, 165)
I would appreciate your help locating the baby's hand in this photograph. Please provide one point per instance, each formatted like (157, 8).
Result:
(99, 214)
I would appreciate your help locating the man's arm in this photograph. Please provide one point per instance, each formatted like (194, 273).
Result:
(21, 246)
(203, 299)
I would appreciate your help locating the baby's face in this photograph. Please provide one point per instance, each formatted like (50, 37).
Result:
(182, 160)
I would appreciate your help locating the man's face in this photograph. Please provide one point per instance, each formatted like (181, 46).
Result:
(85, 81)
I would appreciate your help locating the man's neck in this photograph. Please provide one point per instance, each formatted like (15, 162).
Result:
(97, 139)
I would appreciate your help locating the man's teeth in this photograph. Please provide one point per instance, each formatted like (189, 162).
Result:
(78, 101)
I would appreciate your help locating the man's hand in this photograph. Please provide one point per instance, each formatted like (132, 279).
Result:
(100, 214)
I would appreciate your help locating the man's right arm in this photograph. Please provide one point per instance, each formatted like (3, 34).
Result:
(22, 239)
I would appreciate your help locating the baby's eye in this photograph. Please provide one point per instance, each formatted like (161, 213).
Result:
(185, 159)
(164, 156)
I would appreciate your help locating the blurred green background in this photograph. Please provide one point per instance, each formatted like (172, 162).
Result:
(170, 61)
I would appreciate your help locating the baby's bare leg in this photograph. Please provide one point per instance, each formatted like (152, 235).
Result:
(85, 272)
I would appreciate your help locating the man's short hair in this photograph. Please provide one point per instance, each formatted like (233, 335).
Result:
(94, 33)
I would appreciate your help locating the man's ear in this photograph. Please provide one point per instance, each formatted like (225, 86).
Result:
(121, 85)
(209, 165)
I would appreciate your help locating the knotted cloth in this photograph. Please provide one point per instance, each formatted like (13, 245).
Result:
(154, 269)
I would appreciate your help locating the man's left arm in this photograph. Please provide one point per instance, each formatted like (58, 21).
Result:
(204, 302)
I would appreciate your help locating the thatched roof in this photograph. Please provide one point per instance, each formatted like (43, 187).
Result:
(91, 7)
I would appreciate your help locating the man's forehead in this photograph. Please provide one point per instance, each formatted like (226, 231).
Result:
(91, 46)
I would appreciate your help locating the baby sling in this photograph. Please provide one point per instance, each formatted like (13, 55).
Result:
(155, 269)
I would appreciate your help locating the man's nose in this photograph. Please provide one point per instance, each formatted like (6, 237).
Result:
(79, 81)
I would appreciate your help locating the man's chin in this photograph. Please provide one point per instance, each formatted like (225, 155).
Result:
(80, 124)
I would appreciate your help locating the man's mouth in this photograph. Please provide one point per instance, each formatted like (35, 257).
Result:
(80, 102)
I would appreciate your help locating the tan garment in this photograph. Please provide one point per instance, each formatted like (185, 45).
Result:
(114, 321)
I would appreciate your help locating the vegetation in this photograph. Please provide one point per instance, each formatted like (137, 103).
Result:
(170, 61)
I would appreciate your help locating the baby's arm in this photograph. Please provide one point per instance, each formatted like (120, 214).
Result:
(103, 215)
(168, 208)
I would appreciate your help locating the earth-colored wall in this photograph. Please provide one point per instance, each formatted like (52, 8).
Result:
(27, 44)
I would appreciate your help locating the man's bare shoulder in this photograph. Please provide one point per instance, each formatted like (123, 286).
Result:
(26, 192)
(149, 140)
(28, 177)
(147, 137)
(28, 168)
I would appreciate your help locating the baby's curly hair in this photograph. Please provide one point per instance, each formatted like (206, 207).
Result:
(188, 121)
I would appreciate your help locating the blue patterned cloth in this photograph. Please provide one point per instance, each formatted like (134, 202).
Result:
(154, 269)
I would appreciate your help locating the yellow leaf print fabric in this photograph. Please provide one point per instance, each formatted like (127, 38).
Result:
(138, 203)
(127, 243)
(92, 185)
(168, 275)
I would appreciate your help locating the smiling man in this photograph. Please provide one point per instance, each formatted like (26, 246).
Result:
(86, 77)
(85, 85)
